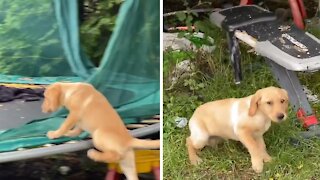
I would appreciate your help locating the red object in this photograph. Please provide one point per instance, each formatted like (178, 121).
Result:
(112, 174)
(245, 2)
(307, 121)
(302, 9)
(298, 12)
(297, 9)
(181, 28)
(156, 172)
(184, 28)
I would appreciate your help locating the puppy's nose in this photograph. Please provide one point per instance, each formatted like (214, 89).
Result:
(280, 116)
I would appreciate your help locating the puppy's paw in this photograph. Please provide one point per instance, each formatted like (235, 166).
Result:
(71, 134)
(257, 166)
(196, 161)
(52, 134)
(267, 158)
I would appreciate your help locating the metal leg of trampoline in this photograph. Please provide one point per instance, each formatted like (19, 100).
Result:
(235, 56)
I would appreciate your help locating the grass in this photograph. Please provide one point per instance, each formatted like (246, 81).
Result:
(230, 160)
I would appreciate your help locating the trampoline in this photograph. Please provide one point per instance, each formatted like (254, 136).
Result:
(40, 44)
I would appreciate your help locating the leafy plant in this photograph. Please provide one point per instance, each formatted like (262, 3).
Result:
(29, 39)
(192, 84)
(97, 28)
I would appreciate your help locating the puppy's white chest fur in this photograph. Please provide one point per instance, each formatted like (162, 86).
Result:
(237, 116)
(267, 126)
(240, 119)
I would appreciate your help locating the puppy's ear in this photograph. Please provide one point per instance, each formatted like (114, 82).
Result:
(285, 94)
(254, 103)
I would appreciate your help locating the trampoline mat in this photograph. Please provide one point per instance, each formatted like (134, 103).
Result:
(18, 112)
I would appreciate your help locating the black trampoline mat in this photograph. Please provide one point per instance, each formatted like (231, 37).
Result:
(258, 23)
(272, 32)
(243, 15)
(18, 112)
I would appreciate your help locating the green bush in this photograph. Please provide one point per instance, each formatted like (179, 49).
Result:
(97, 27)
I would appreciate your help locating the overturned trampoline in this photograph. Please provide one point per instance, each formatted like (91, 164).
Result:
(286, 48)
(42, 46)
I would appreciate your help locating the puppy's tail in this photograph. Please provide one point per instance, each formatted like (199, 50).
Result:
(145, 144)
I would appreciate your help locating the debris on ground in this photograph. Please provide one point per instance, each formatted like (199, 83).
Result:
(310, 96)
(181, 122)
(64, 170)
(172, 41)
(181, 70)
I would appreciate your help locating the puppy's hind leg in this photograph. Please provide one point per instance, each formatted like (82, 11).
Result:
(106, 156)
(193, 147)
(196, 141)
(128, 165)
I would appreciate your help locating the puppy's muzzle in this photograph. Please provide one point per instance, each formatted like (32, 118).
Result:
(280, 116)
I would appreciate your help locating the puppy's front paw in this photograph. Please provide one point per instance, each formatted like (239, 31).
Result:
(267, 158)
(257, 166)
(71, 134)
(196, 160)
(52, 134)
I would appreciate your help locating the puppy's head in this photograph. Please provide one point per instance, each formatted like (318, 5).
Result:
(51, 98)
(272, 102)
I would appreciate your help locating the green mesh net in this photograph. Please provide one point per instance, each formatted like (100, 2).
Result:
(40, 39)
(30, 44)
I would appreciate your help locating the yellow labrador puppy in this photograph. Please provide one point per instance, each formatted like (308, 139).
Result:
(241, 119)
(89, 110)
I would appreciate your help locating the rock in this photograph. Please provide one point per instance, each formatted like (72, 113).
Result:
(182, 69)
(310, 96)
(181, 122)
(171, 40)
(64, 170)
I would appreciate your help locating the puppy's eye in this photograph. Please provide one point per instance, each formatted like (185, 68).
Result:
(282, 101)
(269, 102)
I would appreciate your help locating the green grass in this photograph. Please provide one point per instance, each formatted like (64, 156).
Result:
(230, 160)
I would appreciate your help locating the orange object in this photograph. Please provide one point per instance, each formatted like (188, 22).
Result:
(146, 161)
(22, 85)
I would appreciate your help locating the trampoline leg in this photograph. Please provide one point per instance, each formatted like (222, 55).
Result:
(156, 172)
(246, 2)
(235, 56)
(289, 80)
(297, 9)
(112, 174)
